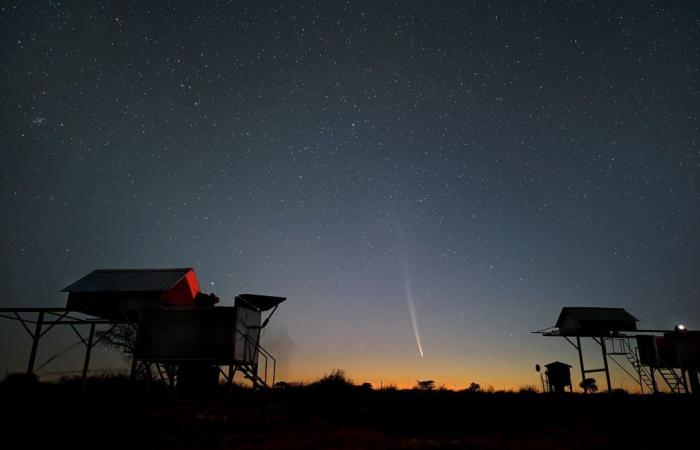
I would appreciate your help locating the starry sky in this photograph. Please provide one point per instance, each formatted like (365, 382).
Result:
(480, 163)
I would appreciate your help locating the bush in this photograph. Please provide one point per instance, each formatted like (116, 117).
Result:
(425, 385)
(528, 390)
(18, 380)
(589, 385)
(334, 380)
(474, 387)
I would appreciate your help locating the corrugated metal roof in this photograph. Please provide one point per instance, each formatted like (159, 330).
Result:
(128, 280)
(594, 314)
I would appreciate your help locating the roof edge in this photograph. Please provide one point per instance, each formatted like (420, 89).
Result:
(172, 269)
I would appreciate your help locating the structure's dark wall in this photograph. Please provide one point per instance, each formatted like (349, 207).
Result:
(112, 305)
(247, 334)
(187, 334)
(679, 350)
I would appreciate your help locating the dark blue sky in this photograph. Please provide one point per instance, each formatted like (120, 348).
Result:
(513, 159)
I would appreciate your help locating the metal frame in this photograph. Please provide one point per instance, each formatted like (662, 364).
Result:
(60, 317)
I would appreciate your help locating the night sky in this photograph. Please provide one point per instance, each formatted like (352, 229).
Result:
(488, 162)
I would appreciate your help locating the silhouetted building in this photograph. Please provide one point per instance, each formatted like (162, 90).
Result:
(674, 357)
(178, 326)
(558, 376)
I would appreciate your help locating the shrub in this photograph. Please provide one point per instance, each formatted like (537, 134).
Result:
(19, 380)
(474, 387)
(335, 379)
(425, 385)
(527, 390)
(588, 385)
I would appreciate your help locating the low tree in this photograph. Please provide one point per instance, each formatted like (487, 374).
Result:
(122, 337)
(474, 387)
(588, 385)
(426, 385)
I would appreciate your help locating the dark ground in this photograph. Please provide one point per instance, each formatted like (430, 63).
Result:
(112, 415)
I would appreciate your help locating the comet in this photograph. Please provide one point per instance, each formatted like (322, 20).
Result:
(408, 290)
(411, 309)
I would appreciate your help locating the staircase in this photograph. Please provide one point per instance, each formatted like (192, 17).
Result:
(622, 347)
(675, 383)
(251, 370)
(642, 372)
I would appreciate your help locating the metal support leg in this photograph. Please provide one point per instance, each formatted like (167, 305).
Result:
(231, 373)
(132, 371)
(580, 358)
(694, 381)
(88, 351)
(684, 379)
(605, 363)
(35, 343)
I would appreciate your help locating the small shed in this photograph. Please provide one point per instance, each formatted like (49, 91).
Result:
(594, 322)
(111, 293)
(558, 376)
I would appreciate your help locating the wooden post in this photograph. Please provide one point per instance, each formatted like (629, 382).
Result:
(88, 351)
(35, 342)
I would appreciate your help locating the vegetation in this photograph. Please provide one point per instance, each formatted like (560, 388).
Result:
(335, 413)
(334, 380)
(528, 390)
(426, 385)
(589, 385)
(122, 338)
(19, 380)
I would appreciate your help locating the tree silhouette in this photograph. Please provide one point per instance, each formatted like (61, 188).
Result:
(474, 387)
(121, 337)
(588, 385)
(426, 385)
